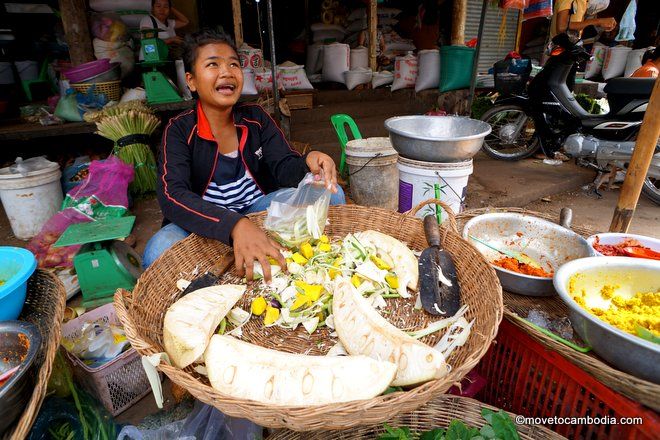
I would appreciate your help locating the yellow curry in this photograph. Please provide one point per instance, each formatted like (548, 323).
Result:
(624, 312)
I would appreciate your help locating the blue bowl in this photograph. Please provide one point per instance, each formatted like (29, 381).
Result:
(16, 266)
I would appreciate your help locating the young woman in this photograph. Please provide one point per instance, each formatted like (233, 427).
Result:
(160, 19)
(223, 160)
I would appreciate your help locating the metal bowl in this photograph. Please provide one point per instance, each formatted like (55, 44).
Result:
(16, 391)
(627, 352)
(437, 138)
(548, 243)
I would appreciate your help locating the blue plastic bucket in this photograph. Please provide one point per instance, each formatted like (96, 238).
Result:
(16, 266)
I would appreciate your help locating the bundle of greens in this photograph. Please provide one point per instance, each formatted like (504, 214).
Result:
(499, 426)
(130, 127)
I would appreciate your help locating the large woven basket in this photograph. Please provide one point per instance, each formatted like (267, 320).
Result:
(517, 307)
(436, 414)
(142, 312)
(44, 307)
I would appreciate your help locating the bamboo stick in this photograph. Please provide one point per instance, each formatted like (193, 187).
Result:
(459, 14)
(373, 34)
(639, 164)
(238, 22)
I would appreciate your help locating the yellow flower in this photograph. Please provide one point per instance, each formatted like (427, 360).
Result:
(272, 314)
(258, 306)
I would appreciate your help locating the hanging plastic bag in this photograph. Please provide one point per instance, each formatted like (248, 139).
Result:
(24, 167)
(300, 214)
(627, 25)
(513, 4)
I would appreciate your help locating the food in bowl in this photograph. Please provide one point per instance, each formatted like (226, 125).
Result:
(628, 247)
(514, 265)
(634, 312)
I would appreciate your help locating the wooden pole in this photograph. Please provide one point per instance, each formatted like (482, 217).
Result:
(373, 34)
(76, 31)
(639, 164)
(475, 60)
(459, 14)
(238, 22)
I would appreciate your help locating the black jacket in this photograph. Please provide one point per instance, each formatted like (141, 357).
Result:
(189, 155)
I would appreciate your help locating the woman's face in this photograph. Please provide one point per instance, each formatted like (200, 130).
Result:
(216, 75)
(161, 10)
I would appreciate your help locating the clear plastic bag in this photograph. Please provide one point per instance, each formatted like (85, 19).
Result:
(24, 167)
(203, 423)
(300, 214)
(98, 343)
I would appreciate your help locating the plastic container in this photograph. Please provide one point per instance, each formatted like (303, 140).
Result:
(374, 175)
(87, 70)
(614, 238)
(119, 383)
(112, 74)
(417, 182)
(455, 67)
(530, 380)
(16, 266)
(30, 200)
(6, 73)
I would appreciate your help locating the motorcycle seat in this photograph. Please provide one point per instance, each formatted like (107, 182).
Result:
(630, 86)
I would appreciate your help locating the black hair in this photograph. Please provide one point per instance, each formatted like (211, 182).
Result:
(194, 41)
(169, 2)
(651, 54)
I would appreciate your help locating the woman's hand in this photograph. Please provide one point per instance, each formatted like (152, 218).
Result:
(607, 23)
(317, 162)
(250, 244)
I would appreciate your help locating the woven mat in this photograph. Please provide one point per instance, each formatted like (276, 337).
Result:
(519, 306)
(44, 307)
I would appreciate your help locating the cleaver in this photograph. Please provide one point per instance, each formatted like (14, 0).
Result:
(436, 296)
(212, 276)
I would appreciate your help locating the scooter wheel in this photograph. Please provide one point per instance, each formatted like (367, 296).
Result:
(513, 136)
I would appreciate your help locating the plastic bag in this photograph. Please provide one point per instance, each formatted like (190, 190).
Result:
(538, 8)
(98, 343)
(68, 109)
(300, 214)
(513, 4)
(103, 193)
(74, 174)
(24, 167)
(203, 423)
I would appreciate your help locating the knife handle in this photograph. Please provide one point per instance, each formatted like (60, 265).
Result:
(431, 230)
(221, 266)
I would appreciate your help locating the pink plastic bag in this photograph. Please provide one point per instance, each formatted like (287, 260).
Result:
(103, 193)
(513, 4)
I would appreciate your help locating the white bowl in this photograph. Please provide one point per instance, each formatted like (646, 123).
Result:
(613, 238)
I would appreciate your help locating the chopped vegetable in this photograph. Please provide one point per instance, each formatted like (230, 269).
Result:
(324, 239)
(272, 314)
(299, 259)
(392, 281)
(258, 306)
(306, 250)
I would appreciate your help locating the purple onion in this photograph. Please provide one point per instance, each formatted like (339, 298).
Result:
(275, 303)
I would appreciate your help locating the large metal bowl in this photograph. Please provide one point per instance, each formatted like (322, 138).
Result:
(437, 138)
(16, 391)
(627, 352)
(549, 244)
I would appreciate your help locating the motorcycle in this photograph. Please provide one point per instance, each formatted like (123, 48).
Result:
(548, 118)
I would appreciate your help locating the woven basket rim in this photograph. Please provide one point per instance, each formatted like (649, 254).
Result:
(640, 390)
(294, 416)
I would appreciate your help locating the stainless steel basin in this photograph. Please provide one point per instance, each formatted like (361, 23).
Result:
(625, 351)
(437, 138)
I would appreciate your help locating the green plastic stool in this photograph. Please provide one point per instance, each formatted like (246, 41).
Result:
(42, 81)
(338, 121)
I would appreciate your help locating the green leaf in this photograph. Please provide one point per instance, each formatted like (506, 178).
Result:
(504, 427)
(488, 415)
(434, 434)
(391, 390)
(487, 431)
(458, 430)
(401, 433)
(646, 334)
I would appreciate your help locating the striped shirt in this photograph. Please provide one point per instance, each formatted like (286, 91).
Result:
(232, 186)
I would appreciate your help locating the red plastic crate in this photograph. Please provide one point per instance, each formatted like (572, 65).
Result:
(528, 379)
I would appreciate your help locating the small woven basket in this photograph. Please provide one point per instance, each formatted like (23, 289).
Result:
(44, 307)
(517, 307)
(436, 414)
(111, 89)
(142, 312)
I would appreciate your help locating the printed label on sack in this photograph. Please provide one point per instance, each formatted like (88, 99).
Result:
(244, 60)
(405, 196)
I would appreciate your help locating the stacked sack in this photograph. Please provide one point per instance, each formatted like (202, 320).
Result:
(131, 12)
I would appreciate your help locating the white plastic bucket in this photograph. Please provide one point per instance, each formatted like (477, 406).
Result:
(27, 70)
(30, 200)
(417, 182)
(372, 166)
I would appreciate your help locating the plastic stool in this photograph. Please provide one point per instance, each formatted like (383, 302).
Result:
(42, 81)
(338, 121)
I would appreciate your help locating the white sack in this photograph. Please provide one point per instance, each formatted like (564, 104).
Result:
(336, 61)
(355, 77)
(381, 78)
(314, 62)
(634, 61)
(322, 32)
(595, 64)
(263, 79)
(249, 85)
(614, 64)
(117, 51)
(132, 21)
(428, 75)
(405, 72)
(250, 57)
(292, 77)
(359, 58)
(120, 5)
